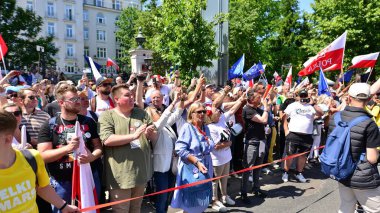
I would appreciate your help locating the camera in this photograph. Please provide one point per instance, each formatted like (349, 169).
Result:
(141, 77)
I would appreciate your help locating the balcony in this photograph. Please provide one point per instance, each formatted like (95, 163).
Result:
(69, 18)
(51, 15)
(70, 38)
(111, 5)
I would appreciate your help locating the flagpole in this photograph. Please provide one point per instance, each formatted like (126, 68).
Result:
(369, 75)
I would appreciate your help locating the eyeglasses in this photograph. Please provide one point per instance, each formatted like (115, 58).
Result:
(74, 100)
(17, 113)
(106, 84)
(200, 112)
(32, 97)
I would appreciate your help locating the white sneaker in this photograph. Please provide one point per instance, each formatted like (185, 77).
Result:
(285, 177)
(218, 206)
(301, 178)
(227, 200)
(266, 171)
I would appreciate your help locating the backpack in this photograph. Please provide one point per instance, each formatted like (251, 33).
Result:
(336, 158)
(31, 160)
(93, 103)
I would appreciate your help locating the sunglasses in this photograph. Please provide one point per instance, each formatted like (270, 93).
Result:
(16, 113)
(200, 112)
(73, 100)
(13, 95)
(106, 84)
(32, 97)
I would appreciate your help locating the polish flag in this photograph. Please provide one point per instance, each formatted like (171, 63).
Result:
(364, 61)
(83, 185)
(112, 63)
(330, 58)
(288, 79)
(3, 48)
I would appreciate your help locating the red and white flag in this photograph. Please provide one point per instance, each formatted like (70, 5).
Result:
(330, 58)
(364, 61)
(83, 185)
(112, 63)
(3, 48)
(288, 79)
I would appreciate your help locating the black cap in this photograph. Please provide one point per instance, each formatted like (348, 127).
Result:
(303, 94)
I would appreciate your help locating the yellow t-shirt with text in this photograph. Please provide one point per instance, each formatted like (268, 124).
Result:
(18, 184)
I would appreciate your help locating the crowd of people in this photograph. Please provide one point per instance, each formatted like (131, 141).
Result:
(153, 130)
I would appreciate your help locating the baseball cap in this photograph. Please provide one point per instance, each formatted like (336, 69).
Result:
(209, 85)
(303, 94)
(102, 79)
(359, 91)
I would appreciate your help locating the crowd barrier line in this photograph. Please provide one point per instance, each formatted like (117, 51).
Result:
(197, 183)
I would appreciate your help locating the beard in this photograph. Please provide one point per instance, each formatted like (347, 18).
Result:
(105, 92)
(73, 110)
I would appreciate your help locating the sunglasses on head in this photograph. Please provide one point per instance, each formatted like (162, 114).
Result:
(200, 112)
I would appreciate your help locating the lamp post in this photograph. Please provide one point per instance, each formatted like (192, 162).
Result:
(140, 39)
(39, 50)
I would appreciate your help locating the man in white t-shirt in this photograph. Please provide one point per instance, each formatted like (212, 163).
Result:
(102, 101)
(299, 131)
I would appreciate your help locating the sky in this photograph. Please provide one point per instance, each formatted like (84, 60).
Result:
(305, 5)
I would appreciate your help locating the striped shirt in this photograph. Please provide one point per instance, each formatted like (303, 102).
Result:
(34, 121)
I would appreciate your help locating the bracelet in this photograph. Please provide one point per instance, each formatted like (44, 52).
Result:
(64, 205)
(196, 163)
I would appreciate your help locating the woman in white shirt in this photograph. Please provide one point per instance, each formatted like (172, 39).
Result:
(163, 149)
(221, 155)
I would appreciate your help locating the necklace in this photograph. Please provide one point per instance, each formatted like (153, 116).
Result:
(63, 123)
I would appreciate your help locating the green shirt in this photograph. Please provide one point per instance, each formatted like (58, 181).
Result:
(125, 166)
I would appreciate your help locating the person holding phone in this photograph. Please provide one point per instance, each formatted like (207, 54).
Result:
(127, 134)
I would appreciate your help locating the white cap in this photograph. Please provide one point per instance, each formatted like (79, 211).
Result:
(359, 91)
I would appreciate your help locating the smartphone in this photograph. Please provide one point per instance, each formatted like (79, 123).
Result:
(229, 83)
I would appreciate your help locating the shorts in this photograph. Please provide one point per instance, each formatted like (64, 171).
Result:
(296, 143)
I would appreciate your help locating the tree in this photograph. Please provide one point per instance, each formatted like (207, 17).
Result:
(330, 19)
(20, 30)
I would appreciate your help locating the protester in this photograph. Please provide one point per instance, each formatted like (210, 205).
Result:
(16, 171)
(255, 120)
(163, 149)
(102, 100)
(364, 185)
(32, 117)
(193, 147)
(299, 132)
(125, 132)
(57, 141)
(221, 155)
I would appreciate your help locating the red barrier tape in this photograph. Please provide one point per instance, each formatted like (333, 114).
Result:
(196, 183)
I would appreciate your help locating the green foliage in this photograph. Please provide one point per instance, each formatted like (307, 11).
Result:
(175, 31)
(20, 30)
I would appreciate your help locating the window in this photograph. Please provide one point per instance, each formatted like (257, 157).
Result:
(69, 50)
(29, 5)
(69, 68)
(51, 29)
(50, 9)
(85, 15)
(100, 35)
(100, 18)
(69, 12)
(101, 52)
(86, 51)
(69, 31)
(99, 3)
(119, 53)
(116, 4)
(85, 33)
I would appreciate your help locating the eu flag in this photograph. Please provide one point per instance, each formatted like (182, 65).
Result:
(347, 76)
(236, 70)
(323, 88)
(255, 71)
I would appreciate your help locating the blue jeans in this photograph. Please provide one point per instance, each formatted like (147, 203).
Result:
(63, 189)
(162, 181)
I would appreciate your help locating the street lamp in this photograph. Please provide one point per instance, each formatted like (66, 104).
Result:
(140, 39)
(39, 50)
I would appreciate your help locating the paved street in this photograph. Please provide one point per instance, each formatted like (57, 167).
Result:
(320, 194)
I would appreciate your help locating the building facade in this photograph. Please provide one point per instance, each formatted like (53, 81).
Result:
(80, 27)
